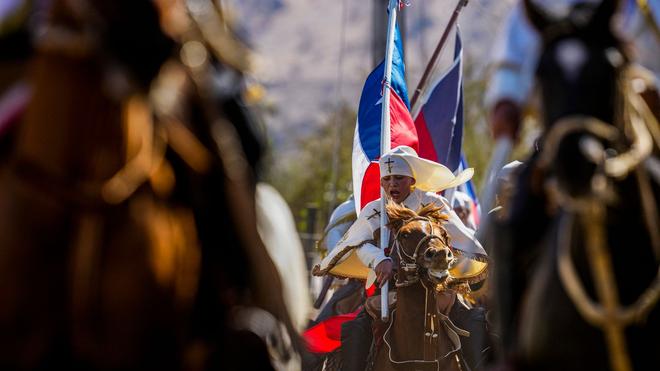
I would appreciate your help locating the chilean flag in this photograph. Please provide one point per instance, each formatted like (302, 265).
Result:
(366, 142)
(468, 188)
(439, 124)
(325, 336)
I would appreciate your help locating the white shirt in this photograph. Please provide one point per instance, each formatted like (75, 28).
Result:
(369, 222)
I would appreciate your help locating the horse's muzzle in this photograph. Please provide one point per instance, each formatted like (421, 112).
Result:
(438, 258)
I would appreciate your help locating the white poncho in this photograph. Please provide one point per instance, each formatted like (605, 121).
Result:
(354, 256)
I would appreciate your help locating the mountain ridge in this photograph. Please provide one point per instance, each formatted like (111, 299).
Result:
(298, 44)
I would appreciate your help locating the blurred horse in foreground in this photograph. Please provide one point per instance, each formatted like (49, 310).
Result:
(128, 216)
(577, 257)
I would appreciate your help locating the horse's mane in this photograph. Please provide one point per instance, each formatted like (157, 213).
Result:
(398, 214)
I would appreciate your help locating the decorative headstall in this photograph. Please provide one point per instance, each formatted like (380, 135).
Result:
(409, 270)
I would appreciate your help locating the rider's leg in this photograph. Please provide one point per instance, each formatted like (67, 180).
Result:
(312, 361)
(352, 287)
(515, 249)
(356, 338)
(476, 348)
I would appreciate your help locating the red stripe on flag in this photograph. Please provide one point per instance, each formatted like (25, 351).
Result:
(402, 133)
(402, 127)
(426, 148)
(474, 213)
(326, 336)
(370, 185)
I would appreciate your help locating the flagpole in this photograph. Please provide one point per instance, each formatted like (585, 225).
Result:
(385, 142)
(436, 53)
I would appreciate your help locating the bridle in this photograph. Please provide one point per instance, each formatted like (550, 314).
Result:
(409, 270)
(606, 313)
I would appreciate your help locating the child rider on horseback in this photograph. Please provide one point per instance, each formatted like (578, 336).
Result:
(413, 182)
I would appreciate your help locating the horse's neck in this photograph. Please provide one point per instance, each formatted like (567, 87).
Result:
(410, 322)
(411, 301)
(71, 130)
(602, 102)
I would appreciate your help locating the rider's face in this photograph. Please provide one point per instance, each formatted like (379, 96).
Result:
(397, 187)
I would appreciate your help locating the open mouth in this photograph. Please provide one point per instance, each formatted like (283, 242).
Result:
(439, 274)
(395, 194)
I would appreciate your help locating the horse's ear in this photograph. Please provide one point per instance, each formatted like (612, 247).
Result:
(602, 18)
(438, 216)
(394, 216)
(537, 16)
(434, 212)
(394, 224)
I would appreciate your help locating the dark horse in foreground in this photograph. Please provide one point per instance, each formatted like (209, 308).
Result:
(577, 254)
(128, 236)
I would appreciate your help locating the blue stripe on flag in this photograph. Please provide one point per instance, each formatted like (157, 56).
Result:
(443, 112)
(370, 109)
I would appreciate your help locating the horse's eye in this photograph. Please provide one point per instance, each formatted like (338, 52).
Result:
(405, 235)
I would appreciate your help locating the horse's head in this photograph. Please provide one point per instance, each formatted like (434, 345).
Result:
(579, 71)
(580, 61)
(421, 241)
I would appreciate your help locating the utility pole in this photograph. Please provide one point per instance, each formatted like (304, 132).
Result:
(379, 30)
(337, 117)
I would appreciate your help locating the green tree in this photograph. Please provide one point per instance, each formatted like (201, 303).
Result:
(478, 144)
(306, 180)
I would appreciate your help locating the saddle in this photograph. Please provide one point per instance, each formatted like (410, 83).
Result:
(373, 305)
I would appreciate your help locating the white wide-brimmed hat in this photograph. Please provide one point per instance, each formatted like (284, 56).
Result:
(429, 176)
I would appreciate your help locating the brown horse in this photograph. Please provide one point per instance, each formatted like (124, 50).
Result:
(127, 220)
(420, 335)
